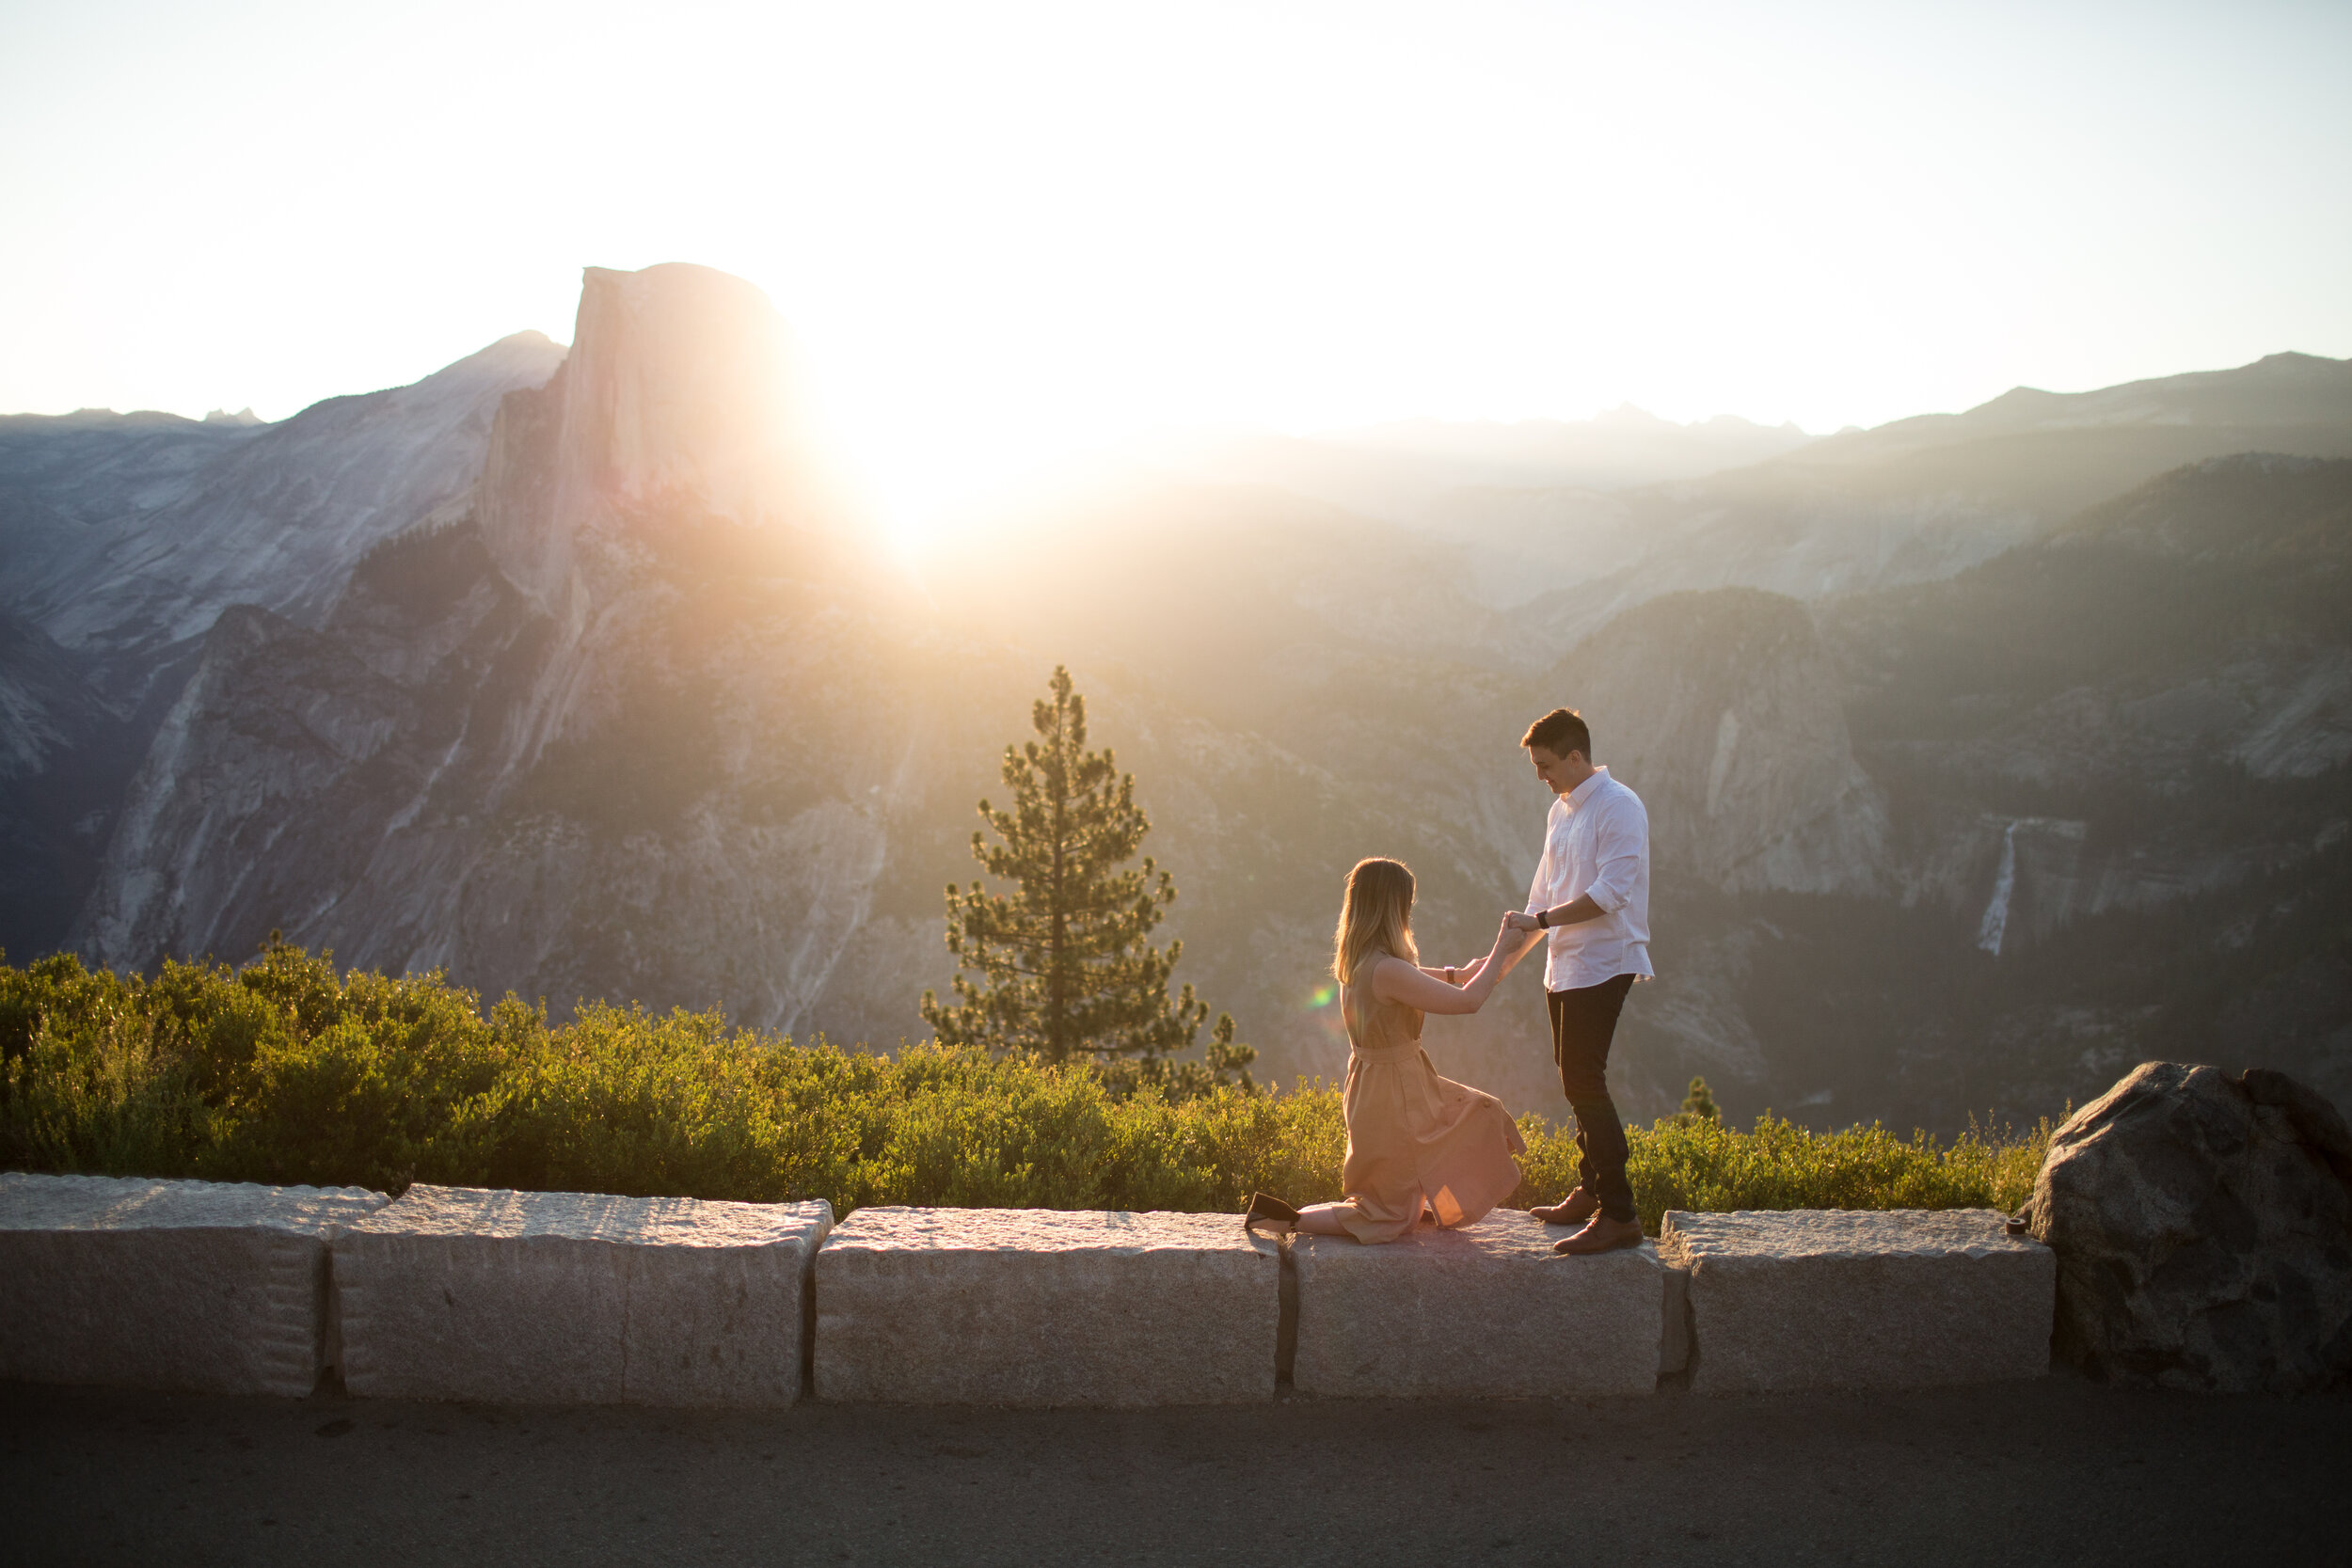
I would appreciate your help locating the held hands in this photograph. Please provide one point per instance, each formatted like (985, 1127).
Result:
(1518, 936)
(1510, 942)
(1511, 946)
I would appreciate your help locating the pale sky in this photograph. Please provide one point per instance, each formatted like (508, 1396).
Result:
(1008, 231)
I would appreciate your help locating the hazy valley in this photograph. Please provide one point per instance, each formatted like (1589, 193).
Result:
(1985, 753)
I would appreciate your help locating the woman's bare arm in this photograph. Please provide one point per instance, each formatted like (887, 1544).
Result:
(1394, 980)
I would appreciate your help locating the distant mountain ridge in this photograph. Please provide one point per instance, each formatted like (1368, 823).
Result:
(1399, 470)
(1909, 502)
(2278, 391)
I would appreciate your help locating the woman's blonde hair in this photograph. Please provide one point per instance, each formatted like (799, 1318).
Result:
(1377, 914)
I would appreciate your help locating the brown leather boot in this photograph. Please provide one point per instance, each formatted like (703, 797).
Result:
(1575, 1209)
(1601, 1234)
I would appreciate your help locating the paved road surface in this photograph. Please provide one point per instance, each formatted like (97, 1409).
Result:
(2055, 1471)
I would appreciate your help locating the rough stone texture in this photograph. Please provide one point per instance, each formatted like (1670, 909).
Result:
(1488, 1308)
(2201, 1228)
(207, 1287)
(577, 1298)
(1833, 1298)
(1034, 1307)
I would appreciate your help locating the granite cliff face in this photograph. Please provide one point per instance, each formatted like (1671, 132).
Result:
(1728, 707)
(675, 408)
(591, 727)
(124, 538)
(277, 517)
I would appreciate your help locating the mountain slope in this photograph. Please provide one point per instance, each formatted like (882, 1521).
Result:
(279, 519)
(124, 540)
(2117, 768)
(1915, 500)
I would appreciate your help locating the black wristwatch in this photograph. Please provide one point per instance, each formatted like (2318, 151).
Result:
(1543, 920)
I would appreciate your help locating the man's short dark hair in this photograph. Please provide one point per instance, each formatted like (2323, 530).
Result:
(1560, 731)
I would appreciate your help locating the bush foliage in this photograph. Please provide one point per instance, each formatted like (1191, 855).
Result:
(289, 1071)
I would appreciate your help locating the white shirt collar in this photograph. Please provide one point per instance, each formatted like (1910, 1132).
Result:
(1584, 792)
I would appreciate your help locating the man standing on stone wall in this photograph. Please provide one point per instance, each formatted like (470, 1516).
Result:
(1591, 900)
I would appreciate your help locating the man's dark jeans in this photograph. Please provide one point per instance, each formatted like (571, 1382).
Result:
(1583, 1022)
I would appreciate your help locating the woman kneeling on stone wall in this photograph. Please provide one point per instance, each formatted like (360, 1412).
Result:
(1417, 1144)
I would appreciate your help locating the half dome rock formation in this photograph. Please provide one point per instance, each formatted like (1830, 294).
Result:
(624, 718)
(678, 407)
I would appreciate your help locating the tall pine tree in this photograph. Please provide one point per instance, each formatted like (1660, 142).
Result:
(1065, 964)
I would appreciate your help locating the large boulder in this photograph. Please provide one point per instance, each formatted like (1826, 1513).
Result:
(2203, 1230)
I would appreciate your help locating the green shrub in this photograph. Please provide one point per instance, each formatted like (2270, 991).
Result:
(290, 1072)
(1696, 1162)
(623, 1101)
(85, 1082)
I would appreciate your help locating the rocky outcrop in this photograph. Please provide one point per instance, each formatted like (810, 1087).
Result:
(676, 422)
(677, 406)
(2203, 1231)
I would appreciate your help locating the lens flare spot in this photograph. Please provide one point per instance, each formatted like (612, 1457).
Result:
(1322, 996)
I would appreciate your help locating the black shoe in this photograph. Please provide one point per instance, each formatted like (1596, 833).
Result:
(1272, 1212)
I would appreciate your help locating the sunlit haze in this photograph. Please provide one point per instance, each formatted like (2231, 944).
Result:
(1006, 234)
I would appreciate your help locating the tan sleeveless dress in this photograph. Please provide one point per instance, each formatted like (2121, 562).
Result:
(1414, 1139)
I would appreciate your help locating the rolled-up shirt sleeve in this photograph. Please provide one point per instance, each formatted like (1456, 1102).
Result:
(1620, 840)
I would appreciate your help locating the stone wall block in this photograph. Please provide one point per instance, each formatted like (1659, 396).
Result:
(1487, 1310)
(1030, 1306)
(198, 1286)
(577, 1298)
(1828, 1298)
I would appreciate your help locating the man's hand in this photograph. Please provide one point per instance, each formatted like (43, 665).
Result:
(1520, 920)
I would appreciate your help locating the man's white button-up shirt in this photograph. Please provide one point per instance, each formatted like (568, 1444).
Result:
(1596, 841)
